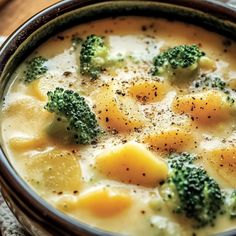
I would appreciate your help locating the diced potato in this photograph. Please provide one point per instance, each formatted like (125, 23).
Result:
(232, 83)
(40, 87)
(173, 139)
(54, 172)
(148, 91)
(23, 144)
(223, 160)
(132, 163)
(37, 90)
(117, 112)
(207, 64)
(27, 116)
(206, 108)
(104, 202)
(25, 105)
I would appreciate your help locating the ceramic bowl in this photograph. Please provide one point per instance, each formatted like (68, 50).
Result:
(37, 216)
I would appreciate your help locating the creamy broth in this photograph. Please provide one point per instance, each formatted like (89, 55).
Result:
(135, 41)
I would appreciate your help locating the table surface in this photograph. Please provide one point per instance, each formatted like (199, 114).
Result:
(15, 12)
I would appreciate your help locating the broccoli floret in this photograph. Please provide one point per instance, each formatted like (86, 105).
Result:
(206, 82)
(177, 160)
(76, 40)
(93, 56)
(183, 58)
(231, 204)
(213, 82)
(191, 192)
(34, 69)
(70, 106)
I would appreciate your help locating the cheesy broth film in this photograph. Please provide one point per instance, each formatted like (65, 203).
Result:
(127, 124)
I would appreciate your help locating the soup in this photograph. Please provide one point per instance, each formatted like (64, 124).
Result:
(127, 124)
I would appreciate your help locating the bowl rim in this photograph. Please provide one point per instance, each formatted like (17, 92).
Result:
(9, 178)
(20, 34)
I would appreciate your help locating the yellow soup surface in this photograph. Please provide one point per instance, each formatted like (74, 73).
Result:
(115, 182)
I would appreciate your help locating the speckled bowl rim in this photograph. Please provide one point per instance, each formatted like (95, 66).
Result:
(9, 178)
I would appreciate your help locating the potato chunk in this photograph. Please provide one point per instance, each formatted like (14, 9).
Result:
(23, 144)
(104, 202)
(26, 115)
(40, 87)
(37, 90)
(206, 108)
(207, 64)
(132, 163)
(54, 171)
(223, 160)
(232, 83)
(173, 139)
(148, 91)
(116, 111)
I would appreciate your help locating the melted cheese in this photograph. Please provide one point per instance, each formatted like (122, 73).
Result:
(82, 195)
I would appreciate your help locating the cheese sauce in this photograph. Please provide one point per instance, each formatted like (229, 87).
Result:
(121, 206)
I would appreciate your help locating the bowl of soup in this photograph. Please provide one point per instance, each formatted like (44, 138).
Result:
(117, 118)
